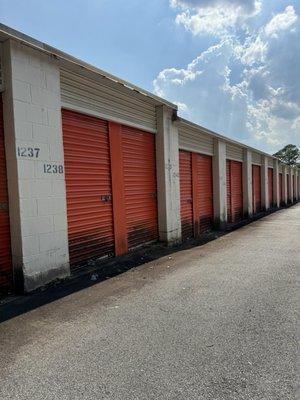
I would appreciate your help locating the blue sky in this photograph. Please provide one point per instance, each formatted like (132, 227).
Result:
(231, 66)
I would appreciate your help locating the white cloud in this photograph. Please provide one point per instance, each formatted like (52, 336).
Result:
(249, 6)
(214, 17)
(253, 51)
(246, 88)
(281, 22)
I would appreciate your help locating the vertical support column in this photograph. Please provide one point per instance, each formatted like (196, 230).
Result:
(167, 164)
(265, 202)
(219, 184)
(118, 190)
(290, 191)
(35, 165)
(284, 184)
(276, 195)
(291, 184)
(247, 184)
(297, 183)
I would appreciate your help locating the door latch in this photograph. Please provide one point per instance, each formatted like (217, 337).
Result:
(105, 198)
(3, 206)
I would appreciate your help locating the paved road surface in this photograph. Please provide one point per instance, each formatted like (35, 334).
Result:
(213, 322)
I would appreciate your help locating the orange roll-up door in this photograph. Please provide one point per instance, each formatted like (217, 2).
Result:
(237, 190)
(138, 150)
(203, 193)
(88, 187)
(256, 188)
(234, 190)
(270, 186)
(186, 194)
(280, 189)
(6, 272)
(228, 187)
(294, 188)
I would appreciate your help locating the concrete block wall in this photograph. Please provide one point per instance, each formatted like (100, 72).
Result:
(219, 184)
(167, 164)
(35, 163)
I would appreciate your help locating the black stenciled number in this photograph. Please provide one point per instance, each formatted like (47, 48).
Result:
(22, 151)
(53, 169)
(28, 152)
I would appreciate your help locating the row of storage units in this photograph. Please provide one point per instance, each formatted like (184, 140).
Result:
(111, 191)
(131, 170)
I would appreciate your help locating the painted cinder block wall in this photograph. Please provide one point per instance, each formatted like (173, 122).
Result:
(35, 165)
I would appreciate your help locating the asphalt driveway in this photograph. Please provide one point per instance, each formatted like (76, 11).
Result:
(215, 322)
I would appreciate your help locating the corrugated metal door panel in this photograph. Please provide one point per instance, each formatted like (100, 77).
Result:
(294, 188)
(6, 272)
(204, 193)
(280, 189)
(256, 188)
(288, 187)
(138, 148)
(88, 187)
(236, 190)
(194, 140)
(228, 187)
(186, 194)
(234, 152)
(270, 186)
(98, 98)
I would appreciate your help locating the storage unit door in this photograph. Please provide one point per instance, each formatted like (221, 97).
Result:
(186, 194)
(294, 188)
(138, 150)
(280, 189)
(256, 188)
(5, 248)
(88, 187)
(270, 186)
(228, 187)
(234, 191)
(288, 188)
(204, 193)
